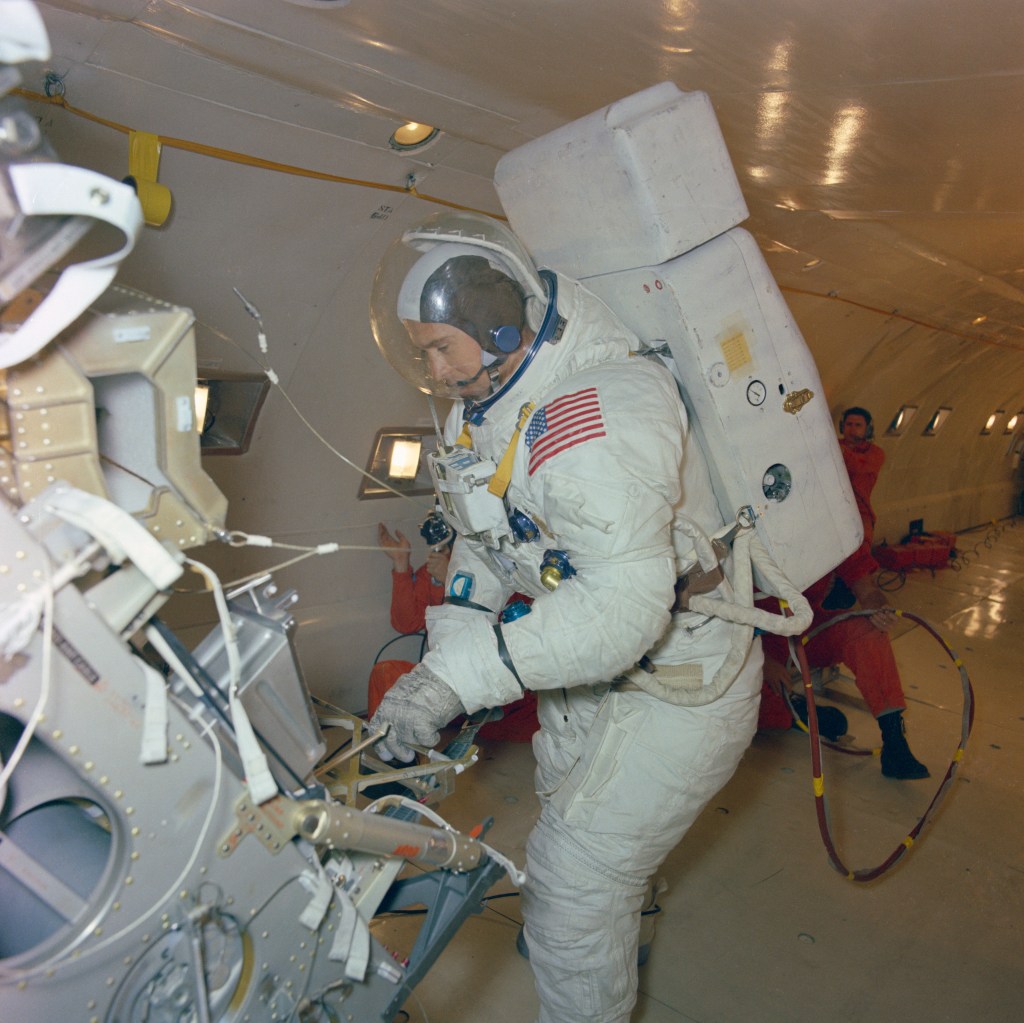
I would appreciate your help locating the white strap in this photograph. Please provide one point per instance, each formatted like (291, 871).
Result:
(55, 189)
(351, 941)
(18, 623)
(258, 778)
(24, 34)
(122, 536)
(154, 719)
(319, 886)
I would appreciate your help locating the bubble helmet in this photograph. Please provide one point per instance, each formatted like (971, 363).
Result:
(471, 272)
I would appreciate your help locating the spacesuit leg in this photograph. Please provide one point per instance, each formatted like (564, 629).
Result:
(634, 774)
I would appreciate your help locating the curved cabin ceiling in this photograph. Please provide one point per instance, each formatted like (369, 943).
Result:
(897, 124)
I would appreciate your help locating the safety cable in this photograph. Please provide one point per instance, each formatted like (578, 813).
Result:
(818, 778)
(231, 156)
(239, 538)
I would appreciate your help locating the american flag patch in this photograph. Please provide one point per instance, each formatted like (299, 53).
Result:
(562, 424)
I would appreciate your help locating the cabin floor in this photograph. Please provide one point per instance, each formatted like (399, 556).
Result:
(756, 923)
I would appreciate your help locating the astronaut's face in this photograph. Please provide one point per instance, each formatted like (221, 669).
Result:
(855, 429)
(453, 358)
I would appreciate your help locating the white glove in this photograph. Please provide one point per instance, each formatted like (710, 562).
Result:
(416, 707)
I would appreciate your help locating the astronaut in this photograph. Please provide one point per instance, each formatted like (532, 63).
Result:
(581, 448)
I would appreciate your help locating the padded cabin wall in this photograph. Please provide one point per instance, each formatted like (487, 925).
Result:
(956, 479)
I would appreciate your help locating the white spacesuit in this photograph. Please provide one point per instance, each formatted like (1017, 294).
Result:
(593, 470)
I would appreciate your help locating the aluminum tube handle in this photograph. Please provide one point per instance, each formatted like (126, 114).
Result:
(341, 827)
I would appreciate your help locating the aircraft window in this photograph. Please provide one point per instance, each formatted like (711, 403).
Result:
(229, 407)
(991, 421)
(901, 420)
(939, 416)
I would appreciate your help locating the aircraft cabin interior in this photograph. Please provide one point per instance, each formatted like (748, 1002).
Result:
(800, 211)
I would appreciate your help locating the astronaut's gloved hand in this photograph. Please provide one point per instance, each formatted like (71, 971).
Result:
(416, 707)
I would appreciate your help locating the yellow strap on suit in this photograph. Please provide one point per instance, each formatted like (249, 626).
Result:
(501, 479)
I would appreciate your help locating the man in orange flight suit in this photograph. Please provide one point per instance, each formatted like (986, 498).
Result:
(861, 643)
(864, 460)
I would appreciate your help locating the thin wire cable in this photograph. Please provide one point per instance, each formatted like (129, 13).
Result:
(235, 583)
(330, 447)
(273, 377)
(307, 552)
(416, 999)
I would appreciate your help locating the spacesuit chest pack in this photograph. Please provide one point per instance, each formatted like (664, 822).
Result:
(473, 496)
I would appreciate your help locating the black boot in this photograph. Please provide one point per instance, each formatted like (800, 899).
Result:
(831, 720)
(897, 760)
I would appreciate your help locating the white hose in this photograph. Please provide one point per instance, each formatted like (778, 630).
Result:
(258, 779)
(754, 553)
(747, 551)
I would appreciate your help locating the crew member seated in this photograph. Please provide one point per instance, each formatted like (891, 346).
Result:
(861, 643)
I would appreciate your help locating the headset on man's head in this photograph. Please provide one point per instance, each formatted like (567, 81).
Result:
(856, 410)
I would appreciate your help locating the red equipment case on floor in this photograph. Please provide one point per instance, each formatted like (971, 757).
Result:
(926, 550)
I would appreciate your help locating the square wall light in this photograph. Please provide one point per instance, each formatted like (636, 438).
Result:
(398, 459)
(226, 410)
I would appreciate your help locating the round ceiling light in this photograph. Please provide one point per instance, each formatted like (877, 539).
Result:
(413, 136)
